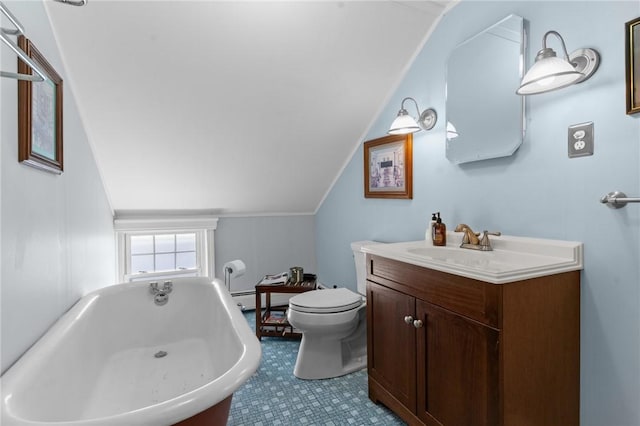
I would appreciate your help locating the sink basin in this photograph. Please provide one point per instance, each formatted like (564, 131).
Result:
(513, 258)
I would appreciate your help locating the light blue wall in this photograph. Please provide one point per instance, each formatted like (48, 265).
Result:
(56, 231)
(538, 192)
(266, 244)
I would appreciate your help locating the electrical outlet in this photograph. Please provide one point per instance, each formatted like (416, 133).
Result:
(580, 140)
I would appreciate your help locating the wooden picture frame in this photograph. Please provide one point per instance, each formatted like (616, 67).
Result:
(632, 44)
(388, 167)
(39, 114)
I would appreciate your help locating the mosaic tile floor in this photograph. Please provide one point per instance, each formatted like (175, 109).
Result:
(274, 396)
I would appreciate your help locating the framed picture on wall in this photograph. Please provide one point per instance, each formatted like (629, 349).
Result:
(632, 44)
(39, 114)
(388, 167)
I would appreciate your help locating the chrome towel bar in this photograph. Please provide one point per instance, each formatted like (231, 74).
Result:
(72, 2)
(19, 30)
(617, 199)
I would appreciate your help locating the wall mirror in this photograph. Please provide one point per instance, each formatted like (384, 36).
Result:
(485, 117)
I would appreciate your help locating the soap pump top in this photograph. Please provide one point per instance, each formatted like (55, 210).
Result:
(428, 236)
(439, 232)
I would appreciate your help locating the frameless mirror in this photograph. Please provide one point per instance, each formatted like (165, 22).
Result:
(485, 118)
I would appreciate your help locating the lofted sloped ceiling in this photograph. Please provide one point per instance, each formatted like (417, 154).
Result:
(232, 107)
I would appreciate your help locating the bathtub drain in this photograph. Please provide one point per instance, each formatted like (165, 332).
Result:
(160, 354)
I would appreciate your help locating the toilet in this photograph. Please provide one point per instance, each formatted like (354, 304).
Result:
(333, 326)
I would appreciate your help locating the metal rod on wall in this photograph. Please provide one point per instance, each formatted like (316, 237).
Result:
(618, 199)
(72, 2)
(19, 30)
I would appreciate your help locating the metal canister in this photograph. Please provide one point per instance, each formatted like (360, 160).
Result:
(296, 275)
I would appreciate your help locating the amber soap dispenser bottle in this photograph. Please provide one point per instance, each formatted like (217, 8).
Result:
(439, 232)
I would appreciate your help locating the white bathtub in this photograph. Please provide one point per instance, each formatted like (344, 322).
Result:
(96, 365)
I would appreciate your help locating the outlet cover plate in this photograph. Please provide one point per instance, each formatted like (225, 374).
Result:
(580, 140)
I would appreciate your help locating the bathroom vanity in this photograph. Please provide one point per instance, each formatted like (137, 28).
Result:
(457, 337)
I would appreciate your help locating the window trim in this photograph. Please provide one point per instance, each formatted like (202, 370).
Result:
(203, 227)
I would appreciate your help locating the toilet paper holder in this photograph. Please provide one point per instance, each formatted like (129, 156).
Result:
(236, 268)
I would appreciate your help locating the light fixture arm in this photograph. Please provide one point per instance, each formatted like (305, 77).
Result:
(547, 52)
(415, 103)
(426, 119)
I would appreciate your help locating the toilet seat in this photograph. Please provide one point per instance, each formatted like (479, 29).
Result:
(326, 301)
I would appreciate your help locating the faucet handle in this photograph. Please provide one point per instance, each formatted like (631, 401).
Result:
(167, 287)
(485, 242)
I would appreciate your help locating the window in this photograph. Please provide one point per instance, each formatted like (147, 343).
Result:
(158, 249)
(174, 254)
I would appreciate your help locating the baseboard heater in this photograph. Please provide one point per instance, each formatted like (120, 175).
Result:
(247, 299)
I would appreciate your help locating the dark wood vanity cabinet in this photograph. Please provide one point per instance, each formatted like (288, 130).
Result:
(453, 351)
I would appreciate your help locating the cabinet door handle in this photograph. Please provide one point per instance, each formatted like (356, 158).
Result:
(417, 324)
(408, 319)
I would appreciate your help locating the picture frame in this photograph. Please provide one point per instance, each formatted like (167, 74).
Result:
(388, 167)
(40, 133)
(632, 57)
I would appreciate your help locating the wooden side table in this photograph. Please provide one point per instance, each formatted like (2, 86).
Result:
(273, 322)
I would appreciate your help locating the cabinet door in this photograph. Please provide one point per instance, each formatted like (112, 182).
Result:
(457, 369)
(392, 342)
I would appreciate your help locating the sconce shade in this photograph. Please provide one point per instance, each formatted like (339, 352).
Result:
(550, 72)
(403, 124)
(452, 132)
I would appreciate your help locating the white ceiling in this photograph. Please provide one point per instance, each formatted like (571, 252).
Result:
(232, 107)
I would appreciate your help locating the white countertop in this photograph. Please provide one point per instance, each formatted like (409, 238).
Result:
(512, 258)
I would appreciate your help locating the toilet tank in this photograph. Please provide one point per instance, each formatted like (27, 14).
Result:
(360, 258)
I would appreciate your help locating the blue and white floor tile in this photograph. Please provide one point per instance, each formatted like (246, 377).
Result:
(274, 396)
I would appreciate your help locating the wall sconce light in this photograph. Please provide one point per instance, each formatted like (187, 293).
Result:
(550, 72)
(404, 123)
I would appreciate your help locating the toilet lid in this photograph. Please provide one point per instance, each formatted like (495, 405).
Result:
(326, 301)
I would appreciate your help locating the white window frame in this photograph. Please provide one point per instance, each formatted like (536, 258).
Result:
(203, 227)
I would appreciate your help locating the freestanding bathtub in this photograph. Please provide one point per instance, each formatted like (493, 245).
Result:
(117, 358)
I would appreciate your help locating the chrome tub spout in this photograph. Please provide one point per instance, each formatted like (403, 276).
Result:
(160, 295)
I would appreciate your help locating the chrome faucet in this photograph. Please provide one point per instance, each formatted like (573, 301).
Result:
(160, 295)
(470, 239)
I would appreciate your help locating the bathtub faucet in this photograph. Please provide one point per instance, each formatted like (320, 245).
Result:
(160, 295)
(167, 287)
